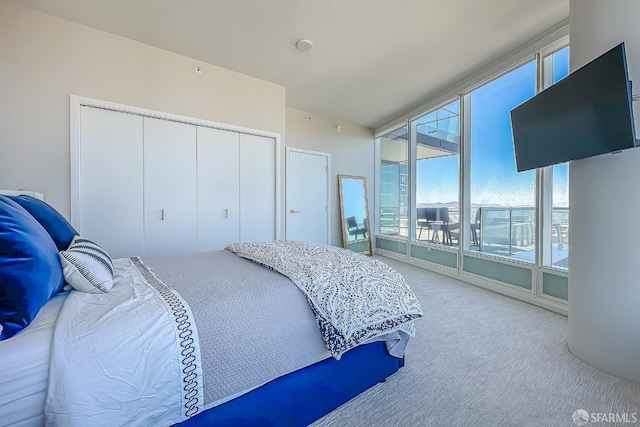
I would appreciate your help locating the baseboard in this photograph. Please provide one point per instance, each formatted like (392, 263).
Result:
(501, 288)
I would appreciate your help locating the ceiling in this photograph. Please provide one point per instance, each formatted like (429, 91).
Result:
(371, 59)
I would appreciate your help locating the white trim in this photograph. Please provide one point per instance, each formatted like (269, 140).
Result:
(477, 78)
(497, 258)
(74, 147)
(541, 294)
(123, 108)
(76, 104)
(501, 287)
(555, 46)
(553, 299)
(436, 246)
(377, 181)
(464, 184)
(393, 255)
(433, 266)
(501, 73)
(18, 192)
(314, 153)
(412, 175)
(555, 271)
(392, 238)
(512, 291)
(515, 292)
(278, 204)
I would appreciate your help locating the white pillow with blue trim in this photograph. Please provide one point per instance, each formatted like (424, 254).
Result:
(87, 267)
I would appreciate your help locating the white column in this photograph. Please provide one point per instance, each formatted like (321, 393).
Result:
(604, 261)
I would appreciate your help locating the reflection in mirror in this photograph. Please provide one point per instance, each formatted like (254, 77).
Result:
(353, 213)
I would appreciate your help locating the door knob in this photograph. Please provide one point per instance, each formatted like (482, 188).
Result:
(292, 211)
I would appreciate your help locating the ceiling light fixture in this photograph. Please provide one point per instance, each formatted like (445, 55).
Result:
(304, 45)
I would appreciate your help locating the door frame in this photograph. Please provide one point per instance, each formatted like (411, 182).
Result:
(290, 150)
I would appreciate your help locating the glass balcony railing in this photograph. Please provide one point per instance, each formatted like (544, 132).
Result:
(393, 221)
(510, 232)
(500, 231)
(506, 232)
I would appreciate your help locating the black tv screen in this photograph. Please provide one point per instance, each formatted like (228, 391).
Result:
(587, 113)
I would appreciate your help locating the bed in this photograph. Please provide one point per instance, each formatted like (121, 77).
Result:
(262, 333)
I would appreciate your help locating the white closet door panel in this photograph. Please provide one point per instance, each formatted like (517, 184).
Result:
(169, 187)
(218, 188)
(111, 181)
(257, 188)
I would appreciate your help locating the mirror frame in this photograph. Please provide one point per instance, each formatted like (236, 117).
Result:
(345, 233)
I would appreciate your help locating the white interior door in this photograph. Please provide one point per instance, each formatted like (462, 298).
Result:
(307, 196)
(218, 188)
(110, 204)
(257, 188)
(169, 187)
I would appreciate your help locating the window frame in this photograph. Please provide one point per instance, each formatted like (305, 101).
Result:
(546, 174)
(546, 44)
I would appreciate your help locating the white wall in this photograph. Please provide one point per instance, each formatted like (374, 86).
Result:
(351, 149)
(604, 284)
(44, 59)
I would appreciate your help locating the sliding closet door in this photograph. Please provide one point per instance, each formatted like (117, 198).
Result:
(110, 181)
(169, 187)
(257, 188)
(218, 188)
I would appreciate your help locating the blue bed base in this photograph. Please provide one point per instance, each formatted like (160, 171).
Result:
(303, 396)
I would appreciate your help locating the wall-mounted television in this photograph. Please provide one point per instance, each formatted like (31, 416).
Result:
(587, 113)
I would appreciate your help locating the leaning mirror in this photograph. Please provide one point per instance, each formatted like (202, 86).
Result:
(353, 213)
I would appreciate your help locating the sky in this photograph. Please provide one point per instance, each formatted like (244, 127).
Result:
(494, 179)
(353, 199)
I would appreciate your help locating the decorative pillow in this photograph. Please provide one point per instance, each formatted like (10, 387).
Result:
(87, 267)
(30, 271)
(58, 228)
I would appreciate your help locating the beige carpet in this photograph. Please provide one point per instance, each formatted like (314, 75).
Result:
(481, 359)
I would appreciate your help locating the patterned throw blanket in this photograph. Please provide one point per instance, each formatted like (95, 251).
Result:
(354, 298)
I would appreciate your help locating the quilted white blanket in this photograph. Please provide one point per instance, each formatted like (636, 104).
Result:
(355, 298)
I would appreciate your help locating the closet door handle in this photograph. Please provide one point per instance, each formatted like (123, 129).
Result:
(162, 215)
(226, 214)
(293, 211)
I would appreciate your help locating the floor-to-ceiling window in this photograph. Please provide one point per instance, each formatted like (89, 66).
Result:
(502, 200)
(394, 183)
(436, 137)
(449, 193)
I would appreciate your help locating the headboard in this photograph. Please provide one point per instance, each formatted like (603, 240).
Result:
(19, 192)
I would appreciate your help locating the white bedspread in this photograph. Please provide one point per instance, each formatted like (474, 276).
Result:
(130, 342)
(24, 360)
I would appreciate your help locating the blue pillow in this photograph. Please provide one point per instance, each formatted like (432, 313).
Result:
(30, 270)
(58, 228)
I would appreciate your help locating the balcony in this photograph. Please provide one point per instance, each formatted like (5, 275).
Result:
(501, 231)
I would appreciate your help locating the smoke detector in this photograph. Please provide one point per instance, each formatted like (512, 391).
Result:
(304, 45)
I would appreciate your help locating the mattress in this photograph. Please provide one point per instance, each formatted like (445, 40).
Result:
(24, 360)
